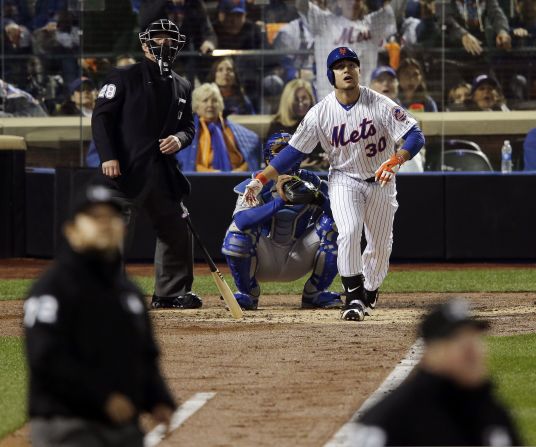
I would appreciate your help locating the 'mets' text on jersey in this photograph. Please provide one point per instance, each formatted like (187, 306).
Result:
(358, 140)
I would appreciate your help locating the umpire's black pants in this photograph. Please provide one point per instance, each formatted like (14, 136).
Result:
(173, 259)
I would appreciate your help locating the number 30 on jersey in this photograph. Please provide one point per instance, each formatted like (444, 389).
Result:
(373, 148)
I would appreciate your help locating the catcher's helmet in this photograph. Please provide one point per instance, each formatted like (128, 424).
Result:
(339, 54)
(273, 146)
(164, 54)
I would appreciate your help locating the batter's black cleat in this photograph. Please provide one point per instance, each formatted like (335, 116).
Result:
(371, 299)
(187, 301)
(354, 311)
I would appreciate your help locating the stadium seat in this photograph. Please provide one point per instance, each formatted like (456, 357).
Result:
(465, 160)
(462, 144)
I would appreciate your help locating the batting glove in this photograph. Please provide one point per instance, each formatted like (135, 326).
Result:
(388, 169)
(253, 189)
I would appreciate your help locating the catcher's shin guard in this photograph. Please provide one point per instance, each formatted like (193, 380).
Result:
(240, 250)
(246, 301)
(325, 262)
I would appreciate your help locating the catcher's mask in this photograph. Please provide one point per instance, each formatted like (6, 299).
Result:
(275, 143)
(164, 53)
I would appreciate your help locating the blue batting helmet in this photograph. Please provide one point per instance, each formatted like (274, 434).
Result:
(339, 54)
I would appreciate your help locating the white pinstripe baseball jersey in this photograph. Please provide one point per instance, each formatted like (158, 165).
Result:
(364, 36)
(357, 141)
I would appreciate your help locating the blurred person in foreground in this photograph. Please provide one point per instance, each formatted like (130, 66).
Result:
(219, 144)
(142, 117)
(92, 357)
(449, 398)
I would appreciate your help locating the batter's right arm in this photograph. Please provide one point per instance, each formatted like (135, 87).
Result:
(305, 139)
(282, 162)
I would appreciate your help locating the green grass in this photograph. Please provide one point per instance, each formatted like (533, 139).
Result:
(14, 289)
(12, 384)
(449, 281)
(513, 366)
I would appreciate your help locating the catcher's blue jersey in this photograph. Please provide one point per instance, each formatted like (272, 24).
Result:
(278, 221)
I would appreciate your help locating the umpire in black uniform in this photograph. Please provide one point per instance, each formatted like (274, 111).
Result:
(92, 357)
(143, 115)
(448, 400)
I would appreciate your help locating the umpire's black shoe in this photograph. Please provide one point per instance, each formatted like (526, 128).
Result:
(370, 301)
(187, 301)
(160, 302)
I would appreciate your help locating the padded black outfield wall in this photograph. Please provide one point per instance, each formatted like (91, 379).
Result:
(441, 216)
(12, 182)
(490, 216)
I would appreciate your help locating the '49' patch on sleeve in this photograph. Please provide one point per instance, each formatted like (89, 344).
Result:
(399, 113)
(107, 91)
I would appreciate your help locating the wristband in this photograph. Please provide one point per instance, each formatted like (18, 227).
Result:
(399, 158)
(262, 178)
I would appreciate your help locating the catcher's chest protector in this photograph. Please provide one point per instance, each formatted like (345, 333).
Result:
(288, 224)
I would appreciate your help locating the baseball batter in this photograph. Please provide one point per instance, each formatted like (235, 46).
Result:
(352, 27)
(280, 240)
(358, 128)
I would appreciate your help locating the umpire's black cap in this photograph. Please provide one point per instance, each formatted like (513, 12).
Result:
(445, 319)
(94, 195)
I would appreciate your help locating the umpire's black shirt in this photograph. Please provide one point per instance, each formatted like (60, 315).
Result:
(88, 335)
(134, 109)
(430, 410)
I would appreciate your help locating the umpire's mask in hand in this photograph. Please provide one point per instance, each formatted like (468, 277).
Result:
(164, 51)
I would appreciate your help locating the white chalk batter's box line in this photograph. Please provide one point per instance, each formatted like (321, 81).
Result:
(347, 434)
(178, 418)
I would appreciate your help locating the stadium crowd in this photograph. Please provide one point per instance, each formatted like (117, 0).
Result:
(427, 55)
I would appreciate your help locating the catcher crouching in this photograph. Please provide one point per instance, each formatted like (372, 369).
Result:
(290, 233)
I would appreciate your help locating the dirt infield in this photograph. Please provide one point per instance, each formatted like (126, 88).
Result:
(286, 376)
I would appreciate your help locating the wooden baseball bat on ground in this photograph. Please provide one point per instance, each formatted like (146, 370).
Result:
(225, 291)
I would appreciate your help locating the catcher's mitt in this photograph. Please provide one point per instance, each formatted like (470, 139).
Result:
(298, 191)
